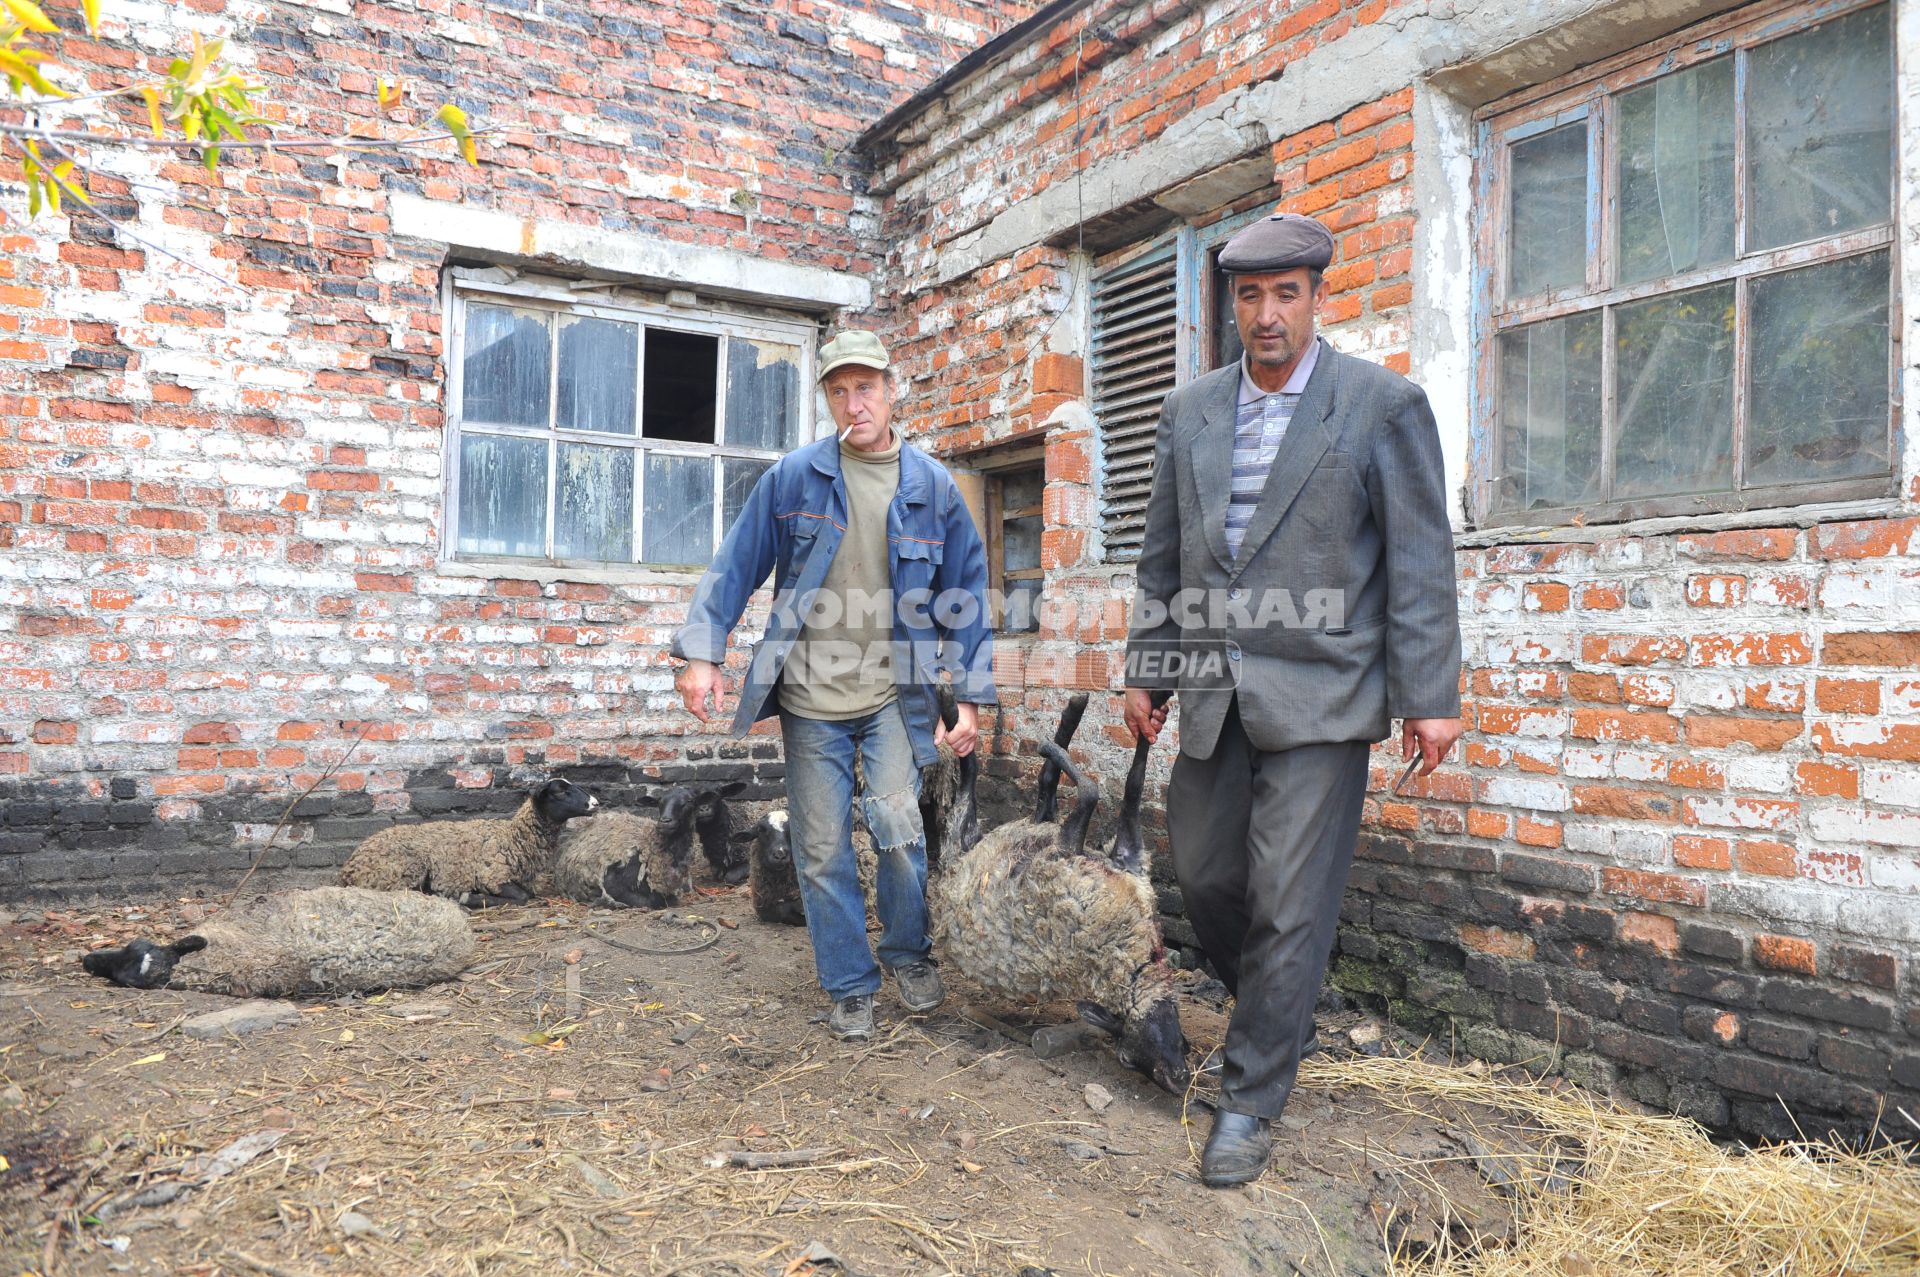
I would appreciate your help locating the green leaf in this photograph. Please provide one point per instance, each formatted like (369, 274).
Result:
(210, 157)
(30, 15)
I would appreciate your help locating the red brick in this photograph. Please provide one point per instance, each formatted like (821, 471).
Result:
(1602, 598)
(211, 734)
(1655, 930)
(50, 732)
(1606, 724)
(1757, 856)
(1716, 591)
(1500, 943)
(1768, 734)
(1896, 650)
(1847, 695)
(1601, 688)
(1868, 539)
(1372, 113)
(1784, 953)
(1648, 885)
(1690, 852)
(1055, 373)
(1869, 738)
(1748, 543)
(1632, 649)
(1487, 824)
(1827, 780)
(1751, 649)
(1628, 804)
(1537, 833)
(1546, 596)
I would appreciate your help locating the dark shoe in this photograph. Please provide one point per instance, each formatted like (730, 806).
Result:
(852, 1017)
(920, 986)
(1237, 1151)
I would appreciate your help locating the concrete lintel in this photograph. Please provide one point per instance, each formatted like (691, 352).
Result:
(1474, 50)
(1223, 185)
(719, 272)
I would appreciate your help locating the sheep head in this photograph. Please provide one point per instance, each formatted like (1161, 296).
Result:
(771, 842)
(141, 964)
(559, 801)
(1148, 1037)
(679, 809)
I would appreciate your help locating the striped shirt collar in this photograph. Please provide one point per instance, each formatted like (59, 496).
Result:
(1295, 384)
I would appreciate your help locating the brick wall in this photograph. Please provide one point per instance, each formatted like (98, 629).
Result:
(1678, 851)
(220, 503)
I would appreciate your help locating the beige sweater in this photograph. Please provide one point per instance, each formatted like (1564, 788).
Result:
(842, 664)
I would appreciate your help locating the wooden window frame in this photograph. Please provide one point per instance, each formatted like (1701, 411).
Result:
(1592, 93)
(567, 298)
(993, 467)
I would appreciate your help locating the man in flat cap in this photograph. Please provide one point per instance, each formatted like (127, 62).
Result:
(875, 561)
(1296, 590)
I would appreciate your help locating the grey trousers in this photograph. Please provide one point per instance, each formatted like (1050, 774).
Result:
(1261, 846)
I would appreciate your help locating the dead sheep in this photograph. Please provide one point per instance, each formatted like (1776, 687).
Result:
(476, 862)
(626, 860)
(1028, 912)
(947, 813)
(316, 942)
(725, 853)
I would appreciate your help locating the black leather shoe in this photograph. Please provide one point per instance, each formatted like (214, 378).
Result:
(1237, 1151)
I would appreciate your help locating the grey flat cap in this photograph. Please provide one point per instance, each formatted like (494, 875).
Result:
(1280, 242)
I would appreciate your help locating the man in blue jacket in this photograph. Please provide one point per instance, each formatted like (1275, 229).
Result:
(880, 584)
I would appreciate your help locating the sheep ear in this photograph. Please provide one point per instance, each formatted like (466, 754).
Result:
(188, 944)
(101, 962)
(1099, 1017)
(731, 788)
(743, 836)
(647, 800)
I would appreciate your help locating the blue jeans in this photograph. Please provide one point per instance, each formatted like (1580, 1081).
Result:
(819, 756)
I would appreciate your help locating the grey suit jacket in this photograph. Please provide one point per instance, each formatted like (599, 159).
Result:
(1339, 613)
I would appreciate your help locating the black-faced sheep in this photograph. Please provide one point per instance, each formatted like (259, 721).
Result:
(1028, 912)
(772, 880)
(726, 855)
(323, 940)
(621, 859)
(476, 862)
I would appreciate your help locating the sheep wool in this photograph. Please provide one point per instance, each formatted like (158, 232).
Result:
(473, 861)
(619, 859)
(326, 940)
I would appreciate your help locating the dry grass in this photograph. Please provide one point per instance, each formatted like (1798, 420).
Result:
(1600, 1190)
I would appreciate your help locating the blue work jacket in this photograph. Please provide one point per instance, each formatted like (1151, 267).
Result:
(791, 526)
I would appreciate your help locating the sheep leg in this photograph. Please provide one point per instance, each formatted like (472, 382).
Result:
(1073, 834)
(509, 894)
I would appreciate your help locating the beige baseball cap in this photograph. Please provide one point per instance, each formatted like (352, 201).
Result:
(852, 346)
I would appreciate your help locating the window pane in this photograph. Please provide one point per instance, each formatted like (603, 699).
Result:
(737, 477)
(681, 381)
(1548, 241)
(1550, 414)
(1820, 131)
(1676, 173)
(598, 358)
(503, 495)
(763, 394)
(678, 524)
(1673, 394)
(594, 517)
(505, 369)
(1818, 407)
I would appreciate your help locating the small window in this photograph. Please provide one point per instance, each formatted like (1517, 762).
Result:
(1014, 523)
(608, 434)
(1689, 276)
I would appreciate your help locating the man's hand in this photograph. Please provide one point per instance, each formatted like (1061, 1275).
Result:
(1143, 719)
(694, 682)
(1433, 737)
(965, 733)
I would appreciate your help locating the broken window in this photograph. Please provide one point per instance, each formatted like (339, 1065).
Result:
(605, 433)
(1688, 265)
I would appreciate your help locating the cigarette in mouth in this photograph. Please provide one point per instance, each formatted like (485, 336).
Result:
(845, 433)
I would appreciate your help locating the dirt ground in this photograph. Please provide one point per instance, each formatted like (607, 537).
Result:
(571, 1105)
